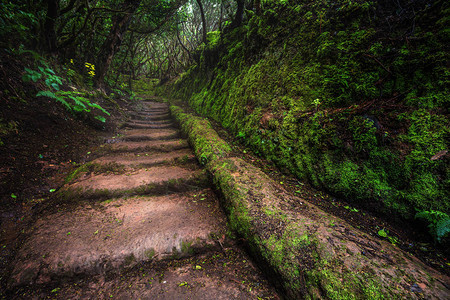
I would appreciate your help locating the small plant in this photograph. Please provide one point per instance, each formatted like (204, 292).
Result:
(241, 134)
(90, 68)
(316, 103)
(385, 234)
(50, 78)
(438, 223)
(352, 209)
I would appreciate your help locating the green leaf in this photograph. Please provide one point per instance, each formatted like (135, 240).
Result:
(13, 196)
(52, 190)
(382, 233)
(100, 118)
(55, 86)
(78, 101)
(78, 108)
(46, 94)
(99, 107)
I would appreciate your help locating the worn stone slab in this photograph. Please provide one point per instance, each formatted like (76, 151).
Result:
(151, 117)
(214, 275)
(157, 122)
(147, 159)
(149, 134)
(131, 179)
(143, 146)
(117, 234)
(149, 126)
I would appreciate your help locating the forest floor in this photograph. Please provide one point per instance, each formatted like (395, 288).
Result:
(45, 217)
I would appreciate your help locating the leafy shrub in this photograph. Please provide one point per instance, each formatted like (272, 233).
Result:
(73, 101)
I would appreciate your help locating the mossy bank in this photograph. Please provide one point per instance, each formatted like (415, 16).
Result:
(350, 95)
(308, 253)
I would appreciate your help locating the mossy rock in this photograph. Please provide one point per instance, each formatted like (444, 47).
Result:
(204, 139)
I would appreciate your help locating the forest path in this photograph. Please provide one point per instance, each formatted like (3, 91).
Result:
(139, 221)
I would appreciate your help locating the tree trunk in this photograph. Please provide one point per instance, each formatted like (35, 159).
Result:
(238, 17)
(114, 40)
(204, 40)
(49, 26)
(257, 6)
(221, 16)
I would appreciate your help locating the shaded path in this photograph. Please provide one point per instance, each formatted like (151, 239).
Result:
(141, 222)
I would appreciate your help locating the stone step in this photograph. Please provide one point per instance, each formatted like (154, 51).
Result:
(146, 146)
(149, 134)
(148, 159)
(152, 111)
(147, 125)
(215, 275)
(154, 104)
(158, 122)
(155, 110)
(117, 234)
(152, 117)
(151, 181)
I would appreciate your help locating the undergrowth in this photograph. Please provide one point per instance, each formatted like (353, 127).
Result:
(74, 101)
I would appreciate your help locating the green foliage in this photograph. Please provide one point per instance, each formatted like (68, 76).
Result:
(213, 38)
(438, 223)
(385, 234)
(363, 131)
(15, 23)
(73, 101)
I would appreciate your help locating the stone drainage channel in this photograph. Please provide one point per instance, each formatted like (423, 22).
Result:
(139, 221)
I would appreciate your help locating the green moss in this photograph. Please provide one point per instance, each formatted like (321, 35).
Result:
(149, 253)
(347, 285)
(129, 260)
(77, 173)
(205, 141)
(95, 168)
(186, 248)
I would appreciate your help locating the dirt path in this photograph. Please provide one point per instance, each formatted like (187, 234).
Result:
(140, 221)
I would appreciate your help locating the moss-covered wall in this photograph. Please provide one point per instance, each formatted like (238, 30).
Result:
(350, 95)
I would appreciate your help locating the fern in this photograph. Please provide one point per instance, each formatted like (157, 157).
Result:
(58, 98)
(46, 94)
(438, 223)
(99, 107)
(72, 100)
(442, 228)
(100, 118)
